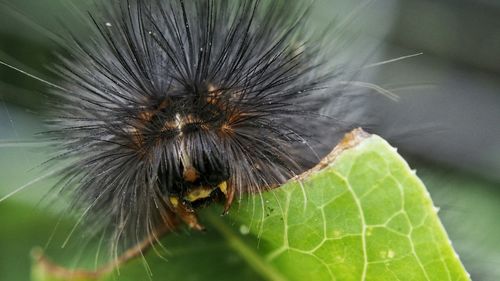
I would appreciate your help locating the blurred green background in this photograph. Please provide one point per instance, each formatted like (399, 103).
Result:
(446, 123)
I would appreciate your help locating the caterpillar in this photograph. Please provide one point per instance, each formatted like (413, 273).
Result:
(169, 106)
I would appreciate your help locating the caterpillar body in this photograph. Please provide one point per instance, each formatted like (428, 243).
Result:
(171, 105)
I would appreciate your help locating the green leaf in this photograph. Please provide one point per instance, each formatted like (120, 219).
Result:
(366, 216)
(362, 214)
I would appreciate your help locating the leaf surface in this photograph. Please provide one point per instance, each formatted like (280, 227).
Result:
(365, 216)
(362, 214)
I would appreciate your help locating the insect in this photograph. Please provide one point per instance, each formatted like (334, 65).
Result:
(172, 105)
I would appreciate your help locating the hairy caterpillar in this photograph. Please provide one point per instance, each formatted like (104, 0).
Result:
(172, 105)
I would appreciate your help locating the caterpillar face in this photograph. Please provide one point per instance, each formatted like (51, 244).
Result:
(171, 105)
(191, 130)
(177, 125)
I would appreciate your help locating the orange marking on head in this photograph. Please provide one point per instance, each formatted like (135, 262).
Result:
(191, 174)
(169, 125)
(213, 94)
(147, 115)
(137, 138)
(226, 128)
(144, 117)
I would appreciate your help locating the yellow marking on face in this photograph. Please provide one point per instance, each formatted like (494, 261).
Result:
(223, 187)
(174, 200)
(203, 192)
(199, 193)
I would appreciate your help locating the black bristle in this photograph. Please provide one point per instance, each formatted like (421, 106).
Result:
(229, 89)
